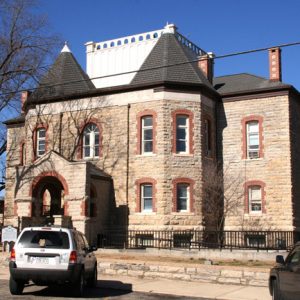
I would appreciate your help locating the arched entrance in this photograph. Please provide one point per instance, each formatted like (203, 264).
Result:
(48, 196)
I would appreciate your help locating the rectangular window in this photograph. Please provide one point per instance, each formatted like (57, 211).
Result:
(182, 240)
(253, 139)
(182, 134)
(182, 197)
(147, 135)
(41, 142)
(144, 240)
(146, 199)
(254, 196)
(255, 241)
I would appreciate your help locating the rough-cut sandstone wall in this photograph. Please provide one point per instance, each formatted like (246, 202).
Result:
(274, 168)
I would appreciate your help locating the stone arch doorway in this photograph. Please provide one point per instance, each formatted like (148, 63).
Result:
(48, 193)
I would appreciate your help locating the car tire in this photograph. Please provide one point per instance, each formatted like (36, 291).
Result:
(79, 285)
(92, 282)
(275, 291)
(15, 287)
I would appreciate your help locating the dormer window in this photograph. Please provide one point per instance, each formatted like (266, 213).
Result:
(91, 141)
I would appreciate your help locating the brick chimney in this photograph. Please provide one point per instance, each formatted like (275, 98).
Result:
(24, 97)
(206, 64)
(275, 64)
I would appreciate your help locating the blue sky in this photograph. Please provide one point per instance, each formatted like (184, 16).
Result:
(219, 26)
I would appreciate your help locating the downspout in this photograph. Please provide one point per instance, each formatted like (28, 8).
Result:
(60, 129)
(127, 167)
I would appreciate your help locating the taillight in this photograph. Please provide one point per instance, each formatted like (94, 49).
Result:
(12, 255)
(73, 257)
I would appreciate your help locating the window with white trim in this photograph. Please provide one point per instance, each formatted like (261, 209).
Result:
(253, 139)
(182, 134)
(146, 197)
(147, 135)
(91, 141)
(255, 199)
(182, 195)
(40, 141)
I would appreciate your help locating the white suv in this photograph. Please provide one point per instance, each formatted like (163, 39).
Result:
(52, 255)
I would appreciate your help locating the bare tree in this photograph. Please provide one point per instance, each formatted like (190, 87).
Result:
(222, 194)
(26, 45)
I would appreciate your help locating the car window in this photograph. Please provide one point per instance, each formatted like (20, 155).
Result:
(295, 257)
(44, 239)
(85, 241)
(79, 241)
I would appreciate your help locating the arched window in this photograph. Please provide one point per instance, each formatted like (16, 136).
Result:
(40, 141)
(141, 38)
(183, 132)
(183, 198)
(146, 195)
(119, 43)
(252, 140)
(91, 141)
(112, 44)
(146, 130)
(133, 40)
(255, 197)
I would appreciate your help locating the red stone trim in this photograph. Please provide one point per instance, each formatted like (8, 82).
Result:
(244, 122)
(39, 126)
(38, 178)
(246, 194)
(190, 115)
(140, 115)
(138, 184)
(191, 184)
(80, 141)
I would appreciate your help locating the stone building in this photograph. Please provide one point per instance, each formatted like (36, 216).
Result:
(138, 143)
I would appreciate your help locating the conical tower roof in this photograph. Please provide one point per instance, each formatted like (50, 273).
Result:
(65, 77)
(172, 54)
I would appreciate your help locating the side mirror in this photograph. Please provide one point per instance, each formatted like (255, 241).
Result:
(93, 248)
(280, 259)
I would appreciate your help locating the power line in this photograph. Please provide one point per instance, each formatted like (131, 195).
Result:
(155, 68)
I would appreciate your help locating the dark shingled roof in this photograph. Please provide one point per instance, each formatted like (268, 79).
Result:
(243, 82)
(65, 77)
(167, 51)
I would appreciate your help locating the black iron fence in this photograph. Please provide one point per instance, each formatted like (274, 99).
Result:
(195, 239)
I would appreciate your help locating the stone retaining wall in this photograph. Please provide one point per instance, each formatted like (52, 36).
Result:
(201, 273)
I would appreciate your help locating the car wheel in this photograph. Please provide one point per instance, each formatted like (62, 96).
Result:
(275, 291)
(92, 282)
(79, 285)
(15, 287)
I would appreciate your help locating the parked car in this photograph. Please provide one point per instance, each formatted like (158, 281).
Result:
(284, 280)
(52, 255)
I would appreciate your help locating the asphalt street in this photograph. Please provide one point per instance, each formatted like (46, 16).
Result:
(61, 292)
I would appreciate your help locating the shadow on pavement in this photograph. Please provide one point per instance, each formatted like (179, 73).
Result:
(105, 288)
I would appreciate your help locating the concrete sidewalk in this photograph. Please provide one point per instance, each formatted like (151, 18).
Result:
(176, 287)
(184, 288)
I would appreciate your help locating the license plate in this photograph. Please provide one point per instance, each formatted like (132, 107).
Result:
(39, 260)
